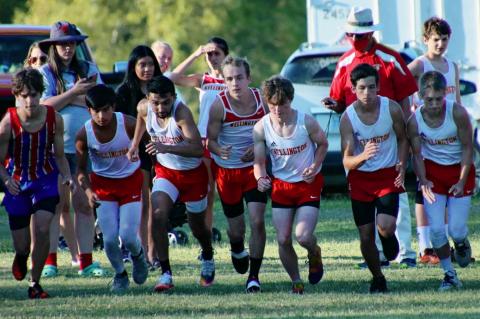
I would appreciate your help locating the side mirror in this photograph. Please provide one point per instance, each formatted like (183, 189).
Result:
(467, 87)
(120, 66)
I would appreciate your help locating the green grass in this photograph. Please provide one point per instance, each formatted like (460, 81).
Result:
(341, 294)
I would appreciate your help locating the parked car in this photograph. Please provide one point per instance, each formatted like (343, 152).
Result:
(311, 69)
(14, 43)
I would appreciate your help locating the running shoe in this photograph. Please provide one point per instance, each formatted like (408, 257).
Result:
(408, 263)
(315, 267)
(207, 273)
(463, 253)
(139, 268)
(164, 282)
(240, 261)
(120, 283)
(35, 291)
(19, 266)
(252, 285)
(450, 281)
(390, 247)
(298, 288)
(378, 285)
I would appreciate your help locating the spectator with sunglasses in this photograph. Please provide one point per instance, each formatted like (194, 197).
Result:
(395, 82)
(35, 57)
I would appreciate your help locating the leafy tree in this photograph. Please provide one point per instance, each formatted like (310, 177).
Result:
(266, 32)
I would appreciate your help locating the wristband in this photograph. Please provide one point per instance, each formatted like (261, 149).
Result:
(263, 177)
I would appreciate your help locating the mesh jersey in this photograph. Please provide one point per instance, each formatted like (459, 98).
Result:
(381, 132)
(440, 144)
(110, 159)
(170, 135)
(237, 130)
(395, 80)
(290, 155)
(31, 154)
(449, 76)
(209, 89)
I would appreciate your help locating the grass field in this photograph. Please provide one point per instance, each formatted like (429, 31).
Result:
(341, 294)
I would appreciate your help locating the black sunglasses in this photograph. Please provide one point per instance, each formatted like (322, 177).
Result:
(357, 35)
(34, 59)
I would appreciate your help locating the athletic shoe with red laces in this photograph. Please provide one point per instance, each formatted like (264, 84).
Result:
(35, 291)
(315, 266)
(298, 288)
(19, 266)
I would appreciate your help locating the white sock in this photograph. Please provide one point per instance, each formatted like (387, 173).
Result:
(423, 233)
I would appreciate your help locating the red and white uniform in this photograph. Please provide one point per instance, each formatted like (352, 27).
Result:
(381, 132)
(110, 159)
(209, 89)
(114, 177)
(449, 76)
(395, 80)
(290, 156)
(442, 152)
(233, 176)
(170, 135)
(237, 130)
(188, 175)
(376, 177)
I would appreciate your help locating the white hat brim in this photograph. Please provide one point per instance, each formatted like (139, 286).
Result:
(359, 29)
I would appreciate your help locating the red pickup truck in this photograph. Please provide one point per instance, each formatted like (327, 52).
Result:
(14, 43)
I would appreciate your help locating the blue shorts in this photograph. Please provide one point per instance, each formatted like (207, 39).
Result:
(41, 194)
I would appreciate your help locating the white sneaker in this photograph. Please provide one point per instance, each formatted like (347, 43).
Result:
(164, 282)
(450, 281)
(207, 273)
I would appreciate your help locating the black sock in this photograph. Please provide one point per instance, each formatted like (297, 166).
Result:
(237, 247)
(165, 265)
(390, 246)
(207, 254)
(255, 264)
(124, 273)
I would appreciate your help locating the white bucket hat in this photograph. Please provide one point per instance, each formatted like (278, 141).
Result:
(360, 20)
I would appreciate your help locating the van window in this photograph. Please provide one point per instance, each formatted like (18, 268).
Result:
(312, 70)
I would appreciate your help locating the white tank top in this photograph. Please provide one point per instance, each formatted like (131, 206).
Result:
(290, 155)
(237, 130)
(440, 144)
(170, 135)
(110, 159)
(449, 77)
(209, 89)
(381, 132)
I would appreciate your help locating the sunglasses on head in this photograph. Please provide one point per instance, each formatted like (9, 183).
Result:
(357, 35)
(34, 59)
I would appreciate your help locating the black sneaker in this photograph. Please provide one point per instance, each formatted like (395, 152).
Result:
(35, 291)
(463, 253)
(390, 247)
(378, 285)
(241, 261)
(253, 285)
